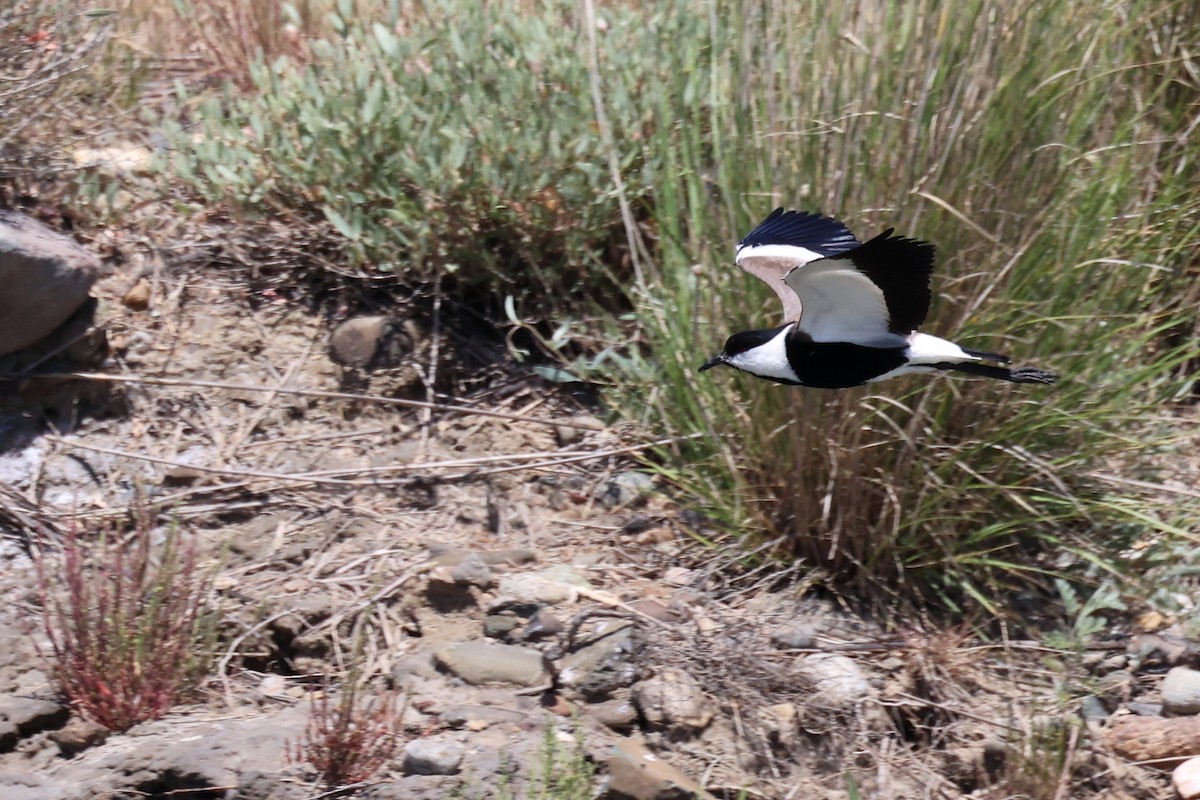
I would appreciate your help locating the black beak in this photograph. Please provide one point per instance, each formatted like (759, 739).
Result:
(716, 360)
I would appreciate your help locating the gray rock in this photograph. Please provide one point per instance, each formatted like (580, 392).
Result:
(372, 342)
(1093, 708)
(46, 277)
(673, 699)
(606, 663)
(625, 488)
(541, 625)
(497, 626)
(433, 756)
(557, 584)
(794, 636)
(637, 774)
(1144, 709)
(1181, 691)
(567, 435)
(619, 715)
(473, 570)
(484, 661)
(1112, 664)
(835, 680)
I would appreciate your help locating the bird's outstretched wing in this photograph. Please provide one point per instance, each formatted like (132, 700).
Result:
(875, 294)
(786, 240)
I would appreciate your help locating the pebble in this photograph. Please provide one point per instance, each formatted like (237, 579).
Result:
(1112, 664)
(272, 686)
(473, 570)
(624, 489)
(673, 699)
(1093, 708)
(497, 626)
(678, 576)
(781, 722)
(484, 661)
(656, 610)
(794, 636)
(432, 757)
(619, 715)
(1186, 779)
(567, 435)
(836, 680)
(1181, 691)
(542, 624)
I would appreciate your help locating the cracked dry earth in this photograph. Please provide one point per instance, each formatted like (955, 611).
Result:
(516, 575)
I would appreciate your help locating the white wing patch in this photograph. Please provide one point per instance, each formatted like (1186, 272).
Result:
(841, 304)
(799, 256)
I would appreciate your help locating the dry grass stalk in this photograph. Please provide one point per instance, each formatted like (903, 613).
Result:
(350, 740)
(127, 631)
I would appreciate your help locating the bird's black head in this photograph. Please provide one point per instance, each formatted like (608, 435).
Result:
(740, 343)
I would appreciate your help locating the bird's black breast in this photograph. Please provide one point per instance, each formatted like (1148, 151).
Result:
(840, 365)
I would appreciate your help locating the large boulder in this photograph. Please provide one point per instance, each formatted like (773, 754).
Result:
(44, 279)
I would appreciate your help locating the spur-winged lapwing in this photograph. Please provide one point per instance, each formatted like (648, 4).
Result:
(852, 309)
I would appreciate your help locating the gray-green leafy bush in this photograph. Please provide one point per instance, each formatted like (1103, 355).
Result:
(461, 138)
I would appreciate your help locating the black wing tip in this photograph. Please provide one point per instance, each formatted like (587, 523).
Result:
(889, 237)
(823, 235)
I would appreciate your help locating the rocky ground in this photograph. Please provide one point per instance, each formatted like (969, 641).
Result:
(518, 575)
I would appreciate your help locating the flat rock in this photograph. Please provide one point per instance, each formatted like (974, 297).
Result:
(46, 277)
(482, 661)
(836, 680)
(433, 756)
(557, 584)
(1181, 691)
(634, 773)
(513, 557)
(673, 699)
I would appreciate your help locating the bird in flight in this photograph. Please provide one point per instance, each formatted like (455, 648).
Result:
(851, 309)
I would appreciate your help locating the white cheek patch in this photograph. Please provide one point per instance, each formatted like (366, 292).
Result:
(768, 360)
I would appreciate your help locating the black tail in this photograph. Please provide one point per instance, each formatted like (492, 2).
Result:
(1019, 375)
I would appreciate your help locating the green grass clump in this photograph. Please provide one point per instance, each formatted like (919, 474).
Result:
(461, 139)
(1044, 149)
